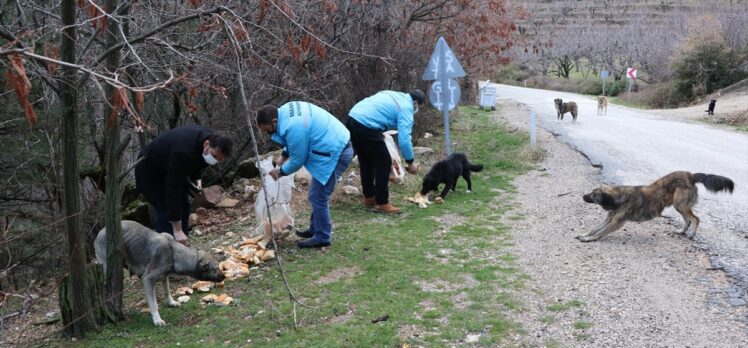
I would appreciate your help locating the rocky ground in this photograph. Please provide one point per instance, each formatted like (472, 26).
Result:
(641, 286)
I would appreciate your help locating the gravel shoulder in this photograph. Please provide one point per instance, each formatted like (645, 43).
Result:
(641, 286)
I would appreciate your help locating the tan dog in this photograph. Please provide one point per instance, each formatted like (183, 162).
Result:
(642, 203)
(602, 104)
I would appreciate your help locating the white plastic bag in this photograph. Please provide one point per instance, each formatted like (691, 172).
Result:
(279, 195)
(397, 173)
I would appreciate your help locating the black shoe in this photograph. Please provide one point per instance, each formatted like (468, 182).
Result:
(311, 243)
(307, 233)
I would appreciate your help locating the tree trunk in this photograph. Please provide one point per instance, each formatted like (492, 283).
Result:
(113, 196)
(78, 320)
(98, 309)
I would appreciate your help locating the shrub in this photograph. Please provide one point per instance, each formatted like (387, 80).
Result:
(616, 88)
(511, 73)
(663, 95)
(704, 63)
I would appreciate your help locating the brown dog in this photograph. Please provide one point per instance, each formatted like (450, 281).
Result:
(642, 203)
(562, 108)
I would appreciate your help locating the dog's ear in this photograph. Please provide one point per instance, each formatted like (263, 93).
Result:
(203, 262)
(608, 202)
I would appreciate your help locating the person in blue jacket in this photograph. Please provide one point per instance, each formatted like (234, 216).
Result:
(314, 138)
(367, 120)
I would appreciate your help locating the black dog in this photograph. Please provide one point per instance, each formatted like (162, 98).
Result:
(447, 172)
(712, 104)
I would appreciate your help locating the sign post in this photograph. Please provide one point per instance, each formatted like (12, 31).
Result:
(631, 75)
(444, 93)
(604, 76)
(532, 129)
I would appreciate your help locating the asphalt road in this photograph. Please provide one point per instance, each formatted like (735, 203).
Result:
(635, 147)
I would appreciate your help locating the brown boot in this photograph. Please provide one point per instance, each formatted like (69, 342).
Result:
(369, 202)
(386, 209)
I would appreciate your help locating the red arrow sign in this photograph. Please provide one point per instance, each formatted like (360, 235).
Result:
(631, 73)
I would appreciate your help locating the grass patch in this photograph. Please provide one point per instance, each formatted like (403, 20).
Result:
(581, 325)
(738, 121)
(547, 319)
(402, 270)
(560, 307)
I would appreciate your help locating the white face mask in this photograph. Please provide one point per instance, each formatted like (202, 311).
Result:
(209, 159)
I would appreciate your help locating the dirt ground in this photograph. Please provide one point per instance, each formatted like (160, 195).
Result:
(731, 109)
(641, 286)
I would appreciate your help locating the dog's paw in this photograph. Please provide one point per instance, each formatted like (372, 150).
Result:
(584, 238)
(468, 191)
(158, 322)
(173, 303)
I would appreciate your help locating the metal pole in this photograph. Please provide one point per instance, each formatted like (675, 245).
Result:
(444, 81)
(532, 128)
(603, 86)
(630, 86)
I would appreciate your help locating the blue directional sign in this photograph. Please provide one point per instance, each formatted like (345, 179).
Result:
(444, 93)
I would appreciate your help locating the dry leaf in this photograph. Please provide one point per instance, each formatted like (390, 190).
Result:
(306, 43)
(51, 51)
(16, 76)
(139, 100)
(119, 102)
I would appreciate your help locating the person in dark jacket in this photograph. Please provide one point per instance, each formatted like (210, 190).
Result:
(168, 164)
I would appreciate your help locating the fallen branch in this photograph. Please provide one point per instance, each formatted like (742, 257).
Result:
(245, 107)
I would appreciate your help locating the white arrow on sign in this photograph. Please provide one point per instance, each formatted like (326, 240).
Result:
(452, 67)
(631, 73)
(451, 97)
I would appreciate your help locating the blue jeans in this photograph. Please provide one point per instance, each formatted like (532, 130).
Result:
(319, 198)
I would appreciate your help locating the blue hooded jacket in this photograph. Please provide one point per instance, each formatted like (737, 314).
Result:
(311, 137)
(388, 110)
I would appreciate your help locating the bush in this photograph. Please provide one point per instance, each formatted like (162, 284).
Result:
(511, 73)
(660, 96)
(616, 88)
(704, 63)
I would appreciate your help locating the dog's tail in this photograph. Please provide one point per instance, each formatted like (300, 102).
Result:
(476, 167)
(714, 183)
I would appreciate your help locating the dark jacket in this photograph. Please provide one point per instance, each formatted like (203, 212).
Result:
(170, 161)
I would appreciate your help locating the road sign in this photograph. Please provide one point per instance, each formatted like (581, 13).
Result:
(442, 54)
(603, 76)
(439, 99)
(631, 73)
(444, 93)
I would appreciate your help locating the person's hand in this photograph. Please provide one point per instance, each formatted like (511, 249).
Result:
(275, 173)
(281, 159)
(199, 185)
(412, 168)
